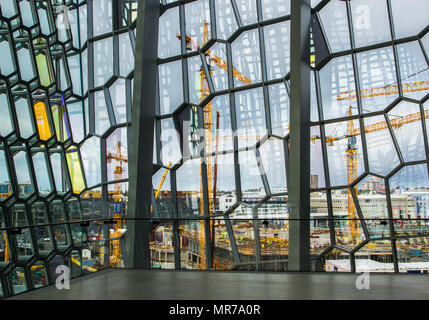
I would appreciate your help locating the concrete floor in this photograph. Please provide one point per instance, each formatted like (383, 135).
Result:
(133, 284)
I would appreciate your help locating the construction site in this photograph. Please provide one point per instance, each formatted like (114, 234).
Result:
(275, 136)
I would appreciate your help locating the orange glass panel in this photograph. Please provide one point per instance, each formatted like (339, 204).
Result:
(42, 121)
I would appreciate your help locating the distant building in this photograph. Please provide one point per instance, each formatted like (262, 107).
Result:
(422, 199)
(372, 205)
(374, 184)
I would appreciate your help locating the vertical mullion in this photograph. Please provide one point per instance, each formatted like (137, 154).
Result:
(176, 234)
(213, 26)
(141, 137)
(205, 182)
(425, 135)
(395, 50)
(391, 226)
(299, 192)
(233, 114)
(264, 68)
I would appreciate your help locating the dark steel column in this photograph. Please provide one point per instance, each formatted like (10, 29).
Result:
(141, 137)
(299, 180)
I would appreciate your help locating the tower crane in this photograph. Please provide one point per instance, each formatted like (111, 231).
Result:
(207, 125)
(115, 247)
(352, 132)
(6, 248)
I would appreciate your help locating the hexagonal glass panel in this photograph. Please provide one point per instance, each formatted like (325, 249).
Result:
(170, 86)
(246, 57)
(333, 18)
(5, 185)
(7, 65)
(25, 183)
(90, 152)
(126, 55)
(116, 149)
(168, 42)
(41, 170)
(382, 154)
(39, 274)
(402, 11)
(370, 22)
(103, 61)
(345, 153)
(277, 43)
(75, 170)
(43, 126)
(118, 94)
(25, 121)
(17, 280)
(102, 120)
(414, 70)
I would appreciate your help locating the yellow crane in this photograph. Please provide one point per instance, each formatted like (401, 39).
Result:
(352, 132)
(115, 248)
(207, 124)
(160, 184)
(386, 90)
(6, 248)
(77, 262)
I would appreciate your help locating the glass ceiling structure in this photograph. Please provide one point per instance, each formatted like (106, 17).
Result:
(221, 136)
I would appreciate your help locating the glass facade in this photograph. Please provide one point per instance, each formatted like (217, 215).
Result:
(224, 74)
(66, 73)
(221, 136)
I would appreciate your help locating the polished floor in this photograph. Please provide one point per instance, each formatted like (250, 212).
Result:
(193, 285)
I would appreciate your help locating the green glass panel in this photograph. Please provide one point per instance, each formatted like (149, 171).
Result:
(61, 122)
(44, 70)
(75, 170)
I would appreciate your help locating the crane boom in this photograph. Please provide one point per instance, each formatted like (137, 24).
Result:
(164, 175)
(383, 91)
(395, 123)
(162, 180)
(218, 61)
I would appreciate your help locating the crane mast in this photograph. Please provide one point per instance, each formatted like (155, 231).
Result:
(115, 247)
(351, 155)
(207, 125)
(6, 248)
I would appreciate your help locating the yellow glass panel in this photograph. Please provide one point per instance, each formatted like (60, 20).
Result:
(45, 73)
(75, 170)
(42, 121)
